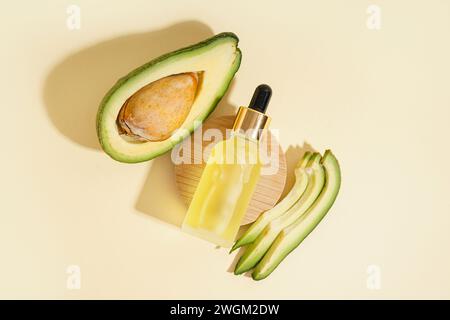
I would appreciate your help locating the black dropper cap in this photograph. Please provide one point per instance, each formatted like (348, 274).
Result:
(261, 98)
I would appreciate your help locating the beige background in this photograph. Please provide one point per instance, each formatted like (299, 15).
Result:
(379, 99)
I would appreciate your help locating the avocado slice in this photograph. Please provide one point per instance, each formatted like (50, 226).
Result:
(214, 61)
(301, 182)
(289, 238)
(259, 247)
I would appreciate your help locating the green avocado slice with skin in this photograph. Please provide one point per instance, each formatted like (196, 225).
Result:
(291, 237)
(259, 247)
(217, 59)
(299, 187)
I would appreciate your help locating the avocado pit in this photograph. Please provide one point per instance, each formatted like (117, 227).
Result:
(155, 111)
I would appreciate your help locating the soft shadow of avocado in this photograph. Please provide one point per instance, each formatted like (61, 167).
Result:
(293, 155)
(238, 254)
(75, 86)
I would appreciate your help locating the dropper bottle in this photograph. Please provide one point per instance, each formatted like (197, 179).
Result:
(230, 176)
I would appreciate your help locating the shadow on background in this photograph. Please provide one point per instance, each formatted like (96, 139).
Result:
(293, 155)
(159, 195)
(75, 86)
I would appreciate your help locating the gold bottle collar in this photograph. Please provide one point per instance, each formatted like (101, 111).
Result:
(251, 123)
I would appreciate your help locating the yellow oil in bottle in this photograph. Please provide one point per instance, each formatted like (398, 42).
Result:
(230, 176)
(224, 191)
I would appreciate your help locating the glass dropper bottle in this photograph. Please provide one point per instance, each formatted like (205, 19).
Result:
(230, 176)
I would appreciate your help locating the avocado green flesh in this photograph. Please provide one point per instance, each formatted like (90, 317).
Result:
(291, 237)
(257, 249)
(301, 182)
(218, 57)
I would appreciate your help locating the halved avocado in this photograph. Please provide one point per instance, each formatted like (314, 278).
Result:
(214, 61)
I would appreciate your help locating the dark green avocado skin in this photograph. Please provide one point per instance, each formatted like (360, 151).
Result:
(116, 155)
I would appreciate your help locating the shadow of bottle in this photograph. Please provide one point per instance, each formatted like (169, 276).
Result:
(75, 86)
